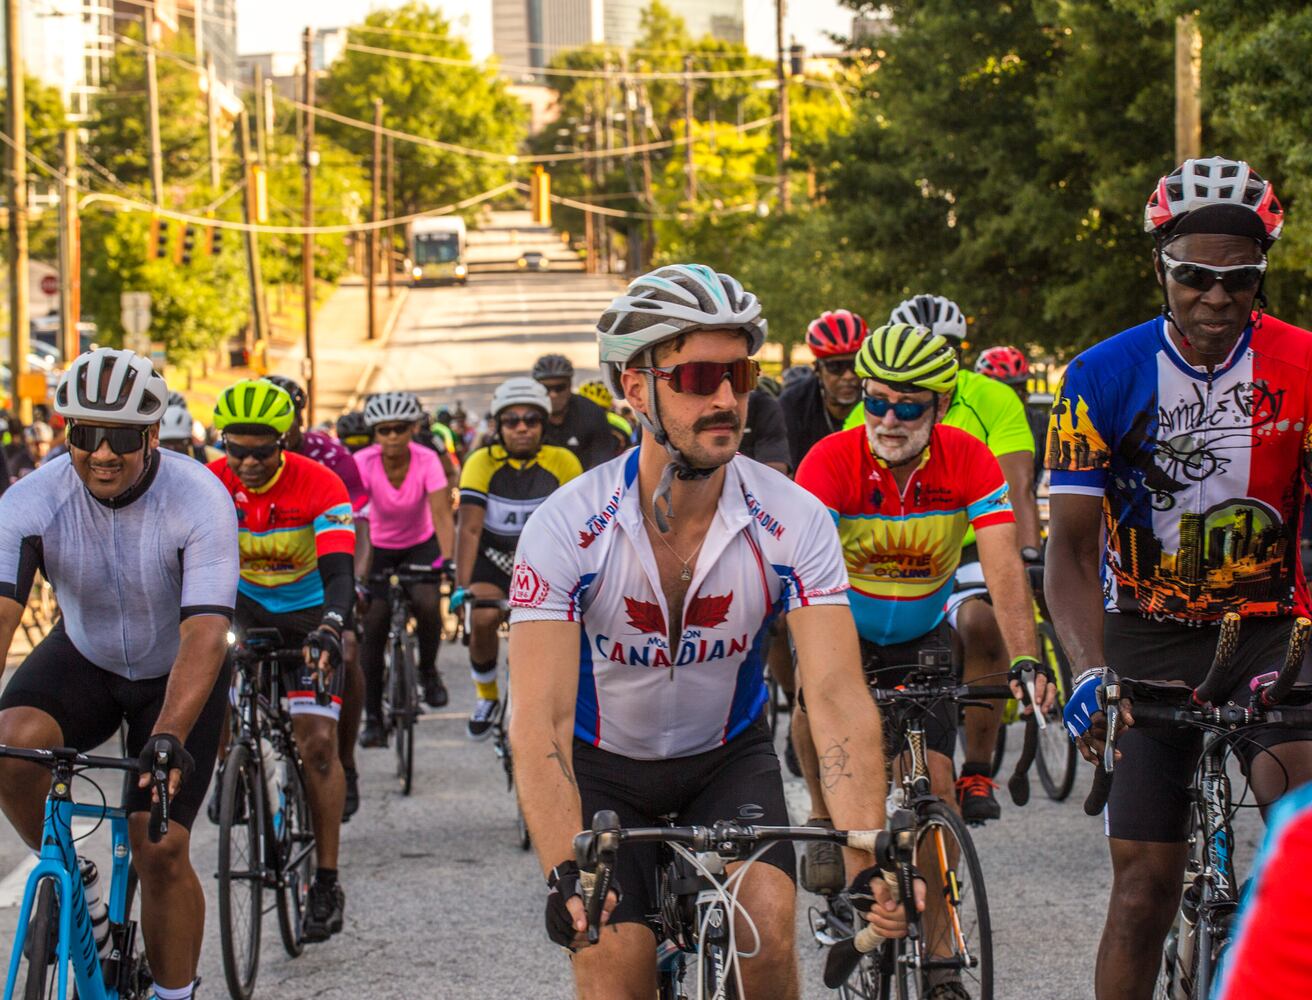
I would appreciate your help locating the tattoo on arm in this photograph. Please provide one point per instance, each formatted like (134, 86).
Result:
(833, 765)
(558, 755)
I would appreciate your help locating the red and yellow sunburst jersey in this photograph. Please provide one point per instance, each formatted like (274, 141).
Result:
(902, 547)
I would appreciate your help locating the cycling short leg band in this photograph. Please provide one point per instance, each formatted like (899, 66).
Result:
(182, 993)
(485, 679)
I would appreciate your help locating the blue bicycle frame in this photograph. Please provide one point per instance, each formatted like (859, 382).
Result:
(77, 942)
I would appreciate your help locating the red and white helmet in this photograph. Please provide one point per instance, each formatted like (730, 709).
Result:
(838, 332)
(1212, 183)
(1006, 364)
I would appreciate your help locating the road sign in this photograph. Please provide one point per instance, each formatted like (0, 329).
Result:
(49, 285)
(134, 312)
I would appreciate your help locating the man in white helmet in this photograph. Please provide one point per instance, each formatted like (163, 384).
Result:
(141, 546)
(500, 486)
(640, 599)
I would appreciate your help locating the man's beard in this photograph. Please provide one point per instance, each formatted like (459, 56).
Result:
(898, 450)
(699, 456)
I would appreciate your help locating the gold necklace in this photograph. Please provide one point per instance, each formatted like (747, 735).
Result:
(686, 574)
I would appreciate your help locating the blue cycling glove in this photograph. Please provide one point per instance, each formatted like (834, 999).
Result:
(458, 598)
(1083, 703)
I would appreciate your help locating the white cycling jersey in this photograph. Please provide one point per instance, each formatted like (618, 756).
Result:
(770, 549)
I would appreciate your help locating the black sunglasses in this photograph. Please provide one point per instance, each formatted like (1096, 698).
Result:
(122, 440)
(1201, 277)
(555, 388)
(529, 420)
(261, 452)
(392, 430)
(703, 378)
(838, 366)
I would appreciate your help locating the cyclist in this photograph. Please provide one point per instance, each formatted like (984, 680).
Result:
(297, 543)
(991, 412)
(575, 423)
(620, 428)
(500, 486)
(902, 490)
(1184, 439)
(175, 432)
(639, 600)
(1010, 367)
(353, 432)
(323, 448)
(410, 523)
(816, 407)
(141, 546)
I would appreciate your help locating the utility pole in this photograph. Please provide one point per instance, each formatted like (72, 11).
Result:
(260, 319)
(689, 170)
(371, 237)
(1188, 88)
(70, 253)
(785, 126)
(16, 193)
(257, 87)
(212, 116)
(152, 106)
(389, 244)
(307, 241)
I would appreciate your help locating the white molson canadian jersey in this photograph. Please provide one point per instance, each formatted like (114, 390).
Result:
(771, 548)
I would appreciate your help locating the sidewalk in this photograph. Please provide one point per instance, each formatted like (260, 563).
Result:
(345, 357)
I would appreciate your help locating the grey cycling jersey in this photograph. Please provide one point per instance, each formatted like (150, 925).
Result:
(125, 571)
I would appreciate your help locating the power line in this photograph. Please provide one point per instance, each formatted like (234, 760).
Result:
(617, 213)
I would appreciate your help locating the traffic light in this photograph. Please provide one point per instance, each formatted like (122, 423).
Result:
(213, 240)
(186, 245)
(158, 248)
(539, 196)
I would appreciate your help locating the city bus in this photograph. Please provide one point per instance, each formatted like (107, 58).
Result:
(437, 250)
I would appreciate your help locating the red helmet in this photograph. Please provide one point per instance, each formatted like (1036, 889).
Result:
(837, 332)
(1006, 364)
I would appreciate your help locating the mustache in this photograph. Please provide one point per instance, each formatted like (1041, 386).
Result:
(729, 421)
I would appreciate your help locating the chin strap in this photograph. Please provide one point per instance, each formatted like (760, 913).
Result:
(678, 467)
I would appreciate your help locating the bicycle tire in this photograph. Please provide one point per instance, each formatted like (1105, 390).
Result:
(1057, 758)
(999, 750)
(404, 706)
(295, 860)
(241, 826)
(42, 937)
(935, 824)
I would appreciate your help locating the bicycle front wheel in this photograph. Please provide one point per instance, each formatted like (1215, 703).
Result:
(1056, 757)
(956, 936)
(295, 859)
(405, 706)
(241, 870)
(42, 938)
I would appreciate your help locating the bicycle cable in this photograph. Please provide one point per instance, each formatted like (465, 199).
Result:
(104, 807)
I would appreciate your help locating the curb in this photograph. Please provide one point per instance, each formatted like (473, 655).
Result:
(366, 376)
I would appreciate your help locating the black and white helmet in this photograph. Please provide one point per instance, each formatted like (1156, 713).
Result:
(392, 407)
(110, 386)
(936, 313)
(176, 425)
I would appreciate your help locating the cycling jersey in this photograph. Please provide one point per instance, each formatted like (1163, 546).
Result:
(805, 417)
(765, 437)
(285, 528)
(328, 451)
(124, 569)
(902, 547)
(585, 432)
(510, 489)
(1199, 472)
(400, 518)
(1268, 955)
(769, 549)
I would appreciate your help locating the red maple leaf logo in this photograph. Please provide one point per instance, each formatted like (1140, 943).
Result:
(645, 616)
(586, 538)
(707, 612)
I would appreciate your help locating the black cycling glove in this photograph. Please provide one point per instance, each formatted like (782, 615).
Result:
(324, 639)
(178, 758)
(564, 882)
(1023, 663)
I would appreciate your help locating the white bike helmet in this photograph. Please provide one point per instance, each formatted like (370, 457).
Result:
(392, 407)
(1239, 201)
(176, 425)
(935, 313)
(520, 391)
(657, 307)
(110, 386)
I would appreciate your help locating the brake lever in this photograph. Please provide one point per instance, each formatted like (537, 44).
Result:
(1111, 693)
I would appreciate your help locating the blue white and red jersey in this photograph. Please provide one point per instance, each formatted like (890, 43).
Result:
(644, 693)
(1200, 472)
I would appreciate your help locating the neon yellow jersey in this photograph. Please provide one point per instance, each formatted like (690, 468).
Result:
(984, 408)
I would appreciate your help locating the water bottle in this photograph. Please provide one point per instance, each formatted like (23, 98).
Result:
(273, 781)
(96, 906)
(1187, 939)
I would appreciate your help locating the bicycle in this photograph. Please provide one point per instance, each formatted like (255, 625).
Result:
(694, 919)
(955, 935)
(266, 840)
(1200, 934)
(401, 666)
(54, 912)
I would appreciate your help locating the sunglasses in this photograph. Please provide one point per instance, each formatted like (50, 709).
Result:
(1201, 277)
(529, 420)
(261, 452)
(703, 378)
(838, 366)
(122, 440)
(878, 408)
(555, 388)
(392, 430)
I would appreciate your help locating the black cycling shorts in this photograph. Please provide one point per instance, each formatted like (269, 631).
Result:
(384, 561)
(941, 721)
(487, 571)
(1149, 798)
(297, 678)
(740, 780)
(90, 704)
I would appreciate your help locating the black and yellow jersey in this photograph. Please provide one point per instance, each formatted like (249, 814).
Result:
(510, 489)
